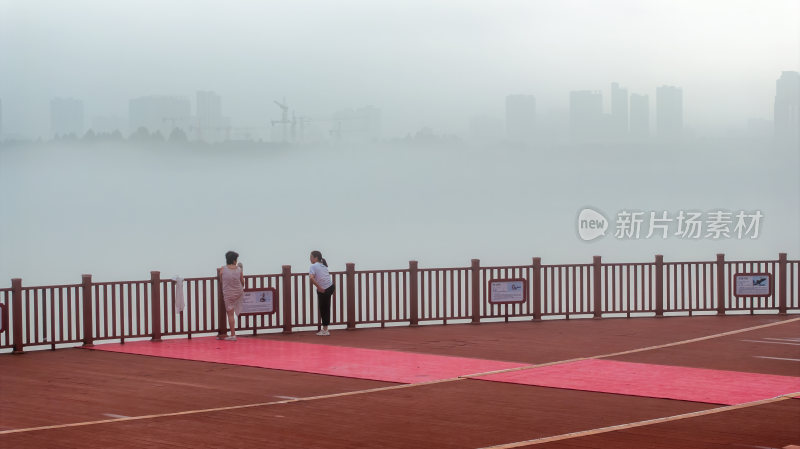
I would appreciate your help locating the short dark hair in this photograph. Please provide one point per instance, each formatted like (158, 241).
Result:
(231, 257)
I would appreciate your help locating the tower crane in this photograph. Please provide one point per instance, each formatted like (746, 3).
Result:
(285, 119)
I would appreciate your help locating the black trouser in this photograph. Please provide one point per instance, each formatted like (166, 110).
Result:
(324, 300)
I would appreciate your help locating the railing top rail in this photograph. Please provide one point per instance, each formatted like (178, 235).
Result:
(566, 265)
(47, 287)
(624, 264)
(337, 273)
(705, 262)
(730, 262)
(507, 267)
(123, 282)
(401, 270)
(446, 269)
(204, 278)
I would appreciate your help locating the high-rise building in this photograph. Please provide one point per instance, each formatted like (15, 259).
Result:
(209, 106)
(66, 117)
(159, 113)
(619, 111)
(586, 113)
(486, 129)
(669, 111)
(211, 125)
(520, 117)
(108, 124)
(640, 115)
(359, 125)
(787, 107)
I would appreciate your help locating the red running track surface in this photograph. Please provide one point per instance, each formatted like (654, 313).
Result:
(655, 381)
(372, 364)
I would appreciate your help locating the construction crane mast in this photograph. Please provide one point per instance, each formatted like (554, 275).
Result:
(285, 119)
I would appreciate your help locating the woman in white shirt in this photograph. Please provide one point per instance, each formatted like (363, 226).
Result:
(321, 279)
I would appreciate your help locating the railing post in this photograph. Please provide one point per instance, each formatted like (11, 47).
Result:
(782, 300)
(597, 275)
(155, 303)
(720, 284)
(16, 314)
(222, 314)
(286, 297)
(88, 318)
(475, 275)
(659, 285)
(536, 294)
(350, 275)
(413, 299)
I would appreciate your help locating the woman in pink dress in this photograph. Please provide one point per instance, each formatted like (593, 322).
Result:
(232, 278)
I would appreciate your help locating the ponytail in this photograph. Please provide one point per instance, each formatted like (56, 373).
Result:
(318, 255)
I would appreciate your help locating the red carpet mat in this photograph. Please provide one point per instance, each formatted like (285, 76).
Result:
(655, 381)
(389, 366)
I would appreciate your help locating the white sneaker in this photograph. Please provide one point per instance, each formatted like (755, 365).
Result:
(323, 333)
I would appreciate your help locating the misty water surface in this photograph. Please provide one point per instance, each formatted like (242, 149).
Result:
(118, 211)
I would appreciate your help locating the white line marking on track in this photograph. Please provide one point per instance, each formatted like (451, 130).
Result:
(112, 415)
(796, 340)
(775, 358)
(232, 407)
(286, 397)
(755, 447)
(585, 433)
(771, 342)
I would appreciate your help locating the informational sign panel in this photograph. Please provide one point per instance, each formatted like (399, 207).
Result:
(752, 284)
(508, 291)
(258, 301)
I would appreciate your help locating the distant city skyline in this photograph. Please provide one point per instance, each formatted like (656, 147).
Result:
(590, 117)
(424, 65)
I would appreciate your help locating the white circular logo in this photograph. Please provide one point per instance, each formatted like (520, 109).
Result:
(591, 224)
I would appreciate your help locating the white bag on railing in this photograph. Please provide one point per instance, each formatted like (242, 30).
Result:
(180, 303)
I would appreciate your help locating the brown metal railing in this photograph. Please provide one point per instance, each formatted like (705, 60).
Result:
(504, 311)
(689, 287)
(5, 320)
(379, 296)
(750, 303)
(567, 290)
(790, 295)
(53, 315)
(48, 316)
(444, 294)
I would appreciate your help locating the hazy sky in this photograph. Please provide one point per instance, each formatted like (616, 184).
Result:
(424, 63)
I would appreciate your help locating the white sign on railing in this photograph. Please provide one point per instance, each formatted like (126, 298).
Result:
(752, 284)
(508, 291)
(258, 301)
